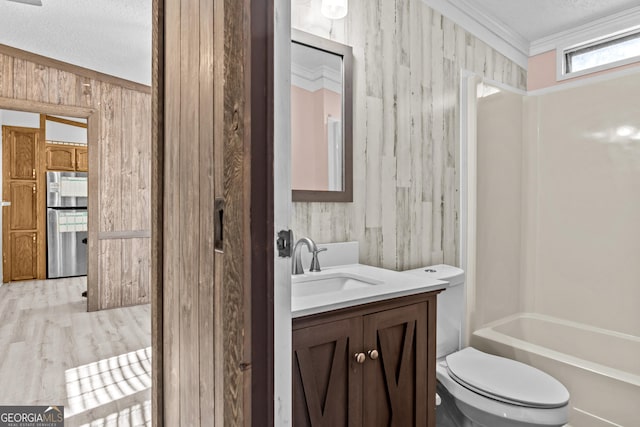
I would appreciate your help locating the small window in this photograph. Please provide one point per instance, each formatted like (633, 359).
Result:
(610, 51)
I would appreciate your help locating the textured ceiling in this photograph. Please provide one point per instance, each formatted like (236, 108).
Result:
(535, 19)
(114, 36)
(110, 36)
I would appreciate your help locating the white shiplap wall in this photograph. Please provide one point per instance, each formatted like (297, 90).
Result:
(407, 62)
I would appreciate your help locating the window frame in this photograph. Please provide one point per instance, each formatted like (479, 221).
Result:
(562, 53)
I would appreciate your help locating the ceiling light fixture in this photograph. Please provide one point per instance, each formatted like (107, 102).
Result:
(335, 9)
(29, 2)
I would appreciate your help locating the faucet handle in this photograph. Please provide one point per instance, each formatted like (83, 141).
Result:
(315, 264)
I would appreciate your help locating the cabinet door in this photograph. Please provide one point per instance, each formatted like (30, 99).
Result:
(23, 197)
(22, 222)
(23, 260)
(61, 158)
(82, 160)
(396, 383)
(23, 143)
(327, 380)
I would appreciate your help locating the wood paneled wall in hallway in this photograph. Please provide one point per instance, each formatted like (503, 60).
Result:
(119, 164)
(407, 63)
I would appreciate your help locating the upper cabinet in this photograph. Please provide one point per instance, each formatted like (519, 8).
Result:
(82, 159)
(61, 158)
(66, 143)
(23, 143)
(66, 158)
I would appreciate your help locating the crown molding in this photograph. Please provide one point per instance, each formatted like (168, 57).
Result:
(608, 25)
(485, 27)
(321, 77)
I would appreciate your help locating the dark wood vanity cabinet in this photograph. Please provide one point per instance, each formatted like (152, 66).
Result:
(327, 381)
(369, 365)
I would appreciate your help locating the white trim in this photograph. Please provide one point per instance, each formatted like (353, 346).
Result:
(584, 33)
(585, 82)
(282, 213)
(488, 29)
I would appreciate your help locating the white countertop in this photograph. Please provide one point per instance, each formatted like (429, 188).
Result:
(392, 284)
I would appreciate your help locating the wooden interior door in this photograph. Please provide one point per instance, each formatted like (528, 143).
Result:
(20, 187)
(326, 379)
(395, 383)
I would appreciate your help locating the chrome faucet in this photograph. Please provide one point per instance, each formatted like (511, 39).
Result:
(297, 256)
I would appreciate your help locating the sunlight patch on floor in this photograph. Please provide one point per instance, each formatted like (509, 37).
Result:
(138, 415)
(108, 380)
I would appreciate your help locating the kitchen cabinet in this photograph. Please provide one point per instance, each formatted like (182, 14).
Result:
(369, 365)
(22, 223)
(82, 160)
(22, 144)
(66, 158)
(24, 260)
(23, 214)
(61, 158)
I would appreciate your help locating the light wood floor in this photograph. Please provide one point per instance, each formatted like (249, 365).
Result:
(52, 352)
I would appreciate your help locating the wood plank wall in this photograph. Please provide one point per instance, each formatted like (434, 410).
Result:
(205, 324)
(407, 62)
(119, 165)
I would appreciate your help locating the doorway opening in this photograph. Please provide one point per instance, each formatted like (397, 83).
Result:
(97, 364)
(44, 187)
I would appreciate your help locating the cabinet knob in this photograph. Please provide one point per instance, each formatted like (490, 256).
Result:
(373, 354)
(360, 357)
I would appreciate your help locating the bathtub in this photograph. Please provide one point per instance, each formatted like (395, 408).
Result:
(601, 368)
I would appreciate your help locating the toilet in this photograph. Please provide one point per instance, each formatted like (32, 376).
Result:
(490, 391)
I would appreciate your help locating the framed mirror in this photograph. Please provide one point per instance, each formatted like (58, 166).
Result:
(321, 119)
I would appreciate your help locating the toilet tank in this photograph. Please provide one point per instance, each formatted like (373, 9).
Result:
(451, 306)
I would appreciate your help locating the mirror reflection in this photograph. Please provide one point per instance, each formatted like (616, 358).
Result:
(316, 119)
(321, 116)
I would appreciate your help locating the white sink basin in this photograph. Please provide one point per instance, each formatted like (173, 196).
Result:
(307, 285)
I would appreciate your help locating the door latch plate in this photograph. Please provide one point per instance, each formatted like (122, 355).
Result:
(284, 243)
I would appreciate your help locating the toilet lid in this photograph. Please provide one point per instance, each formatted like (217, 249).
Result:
(505, 379)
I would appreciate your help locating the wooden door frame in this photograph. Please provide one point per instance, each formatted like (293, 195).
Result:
(259, 300)
(157, 206)
(92, 144)
(262, 99)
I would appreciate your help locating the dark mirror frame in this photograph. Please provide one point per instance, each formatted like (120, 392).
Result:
(335, 48)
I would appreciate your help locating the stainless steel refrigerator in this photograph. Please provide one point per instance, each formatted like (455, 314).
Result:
(66, 224)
